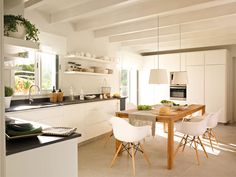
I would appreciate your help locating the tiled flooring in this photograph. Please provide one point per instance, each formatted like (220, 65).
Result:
(95, 158)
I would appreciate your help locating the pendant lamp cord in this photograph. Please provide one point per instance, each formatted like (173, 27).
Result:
(158, 41)
(180, 45)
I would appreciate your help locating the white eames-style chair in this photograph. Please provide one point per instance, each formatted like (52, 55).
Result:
(192, 131)
(130, 137)
(211, 124)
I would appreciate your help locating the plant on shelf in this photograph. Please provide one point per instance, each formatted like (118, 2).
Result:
(8, 95)
(17, 24)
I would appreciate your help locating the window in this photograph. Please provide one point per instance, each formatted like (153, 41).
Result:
(124, 82)
(128, 84)
(38, 68)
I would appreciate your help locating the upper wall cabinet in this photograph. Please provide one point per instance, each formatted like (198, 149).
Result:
(214, 57)
(194, 58)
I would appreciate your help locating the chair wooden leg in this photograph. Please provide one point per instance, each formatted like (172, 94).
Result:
(195, 144)
(133, 162)
(186, 139)
(213, 133)
(115, 156)
(145, 155)
(202, 146)
(108, 138)
(210, 136)
(179, 145)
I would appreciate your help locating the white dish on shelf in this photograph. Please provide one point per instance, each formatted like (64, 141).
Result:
(90, 96)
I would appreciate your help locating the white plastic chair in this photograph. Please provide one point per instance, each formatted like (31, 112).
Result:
(192, 129)
(130, 137)
(212, 123)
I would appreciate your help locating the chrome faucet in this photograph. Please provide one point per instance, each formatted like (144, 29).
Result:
(31, 99)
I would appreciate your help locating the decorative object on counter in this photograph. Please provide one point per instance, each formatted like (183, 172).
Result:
(106, 90)
(59, 131)
(81, 96)
(60, 96)
(72, 98)
(53, 95)
(21, 130)
(8, 95)
(19, 27)
(116, 95)
(101, 97)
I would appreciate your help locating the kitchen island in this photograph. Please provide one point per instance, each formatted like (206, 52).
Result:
(42, 156)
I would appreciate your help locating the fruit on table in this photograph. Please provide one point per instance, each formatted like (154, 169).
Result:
(144, 107)
(166, 102)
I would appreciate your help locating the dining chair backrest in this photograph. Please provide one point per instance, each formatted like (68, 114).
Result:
(196, 127)
(123, 131)
(213, 119)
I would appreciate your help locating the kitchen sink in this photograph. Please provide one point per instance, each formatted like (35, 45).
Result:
(33, 106)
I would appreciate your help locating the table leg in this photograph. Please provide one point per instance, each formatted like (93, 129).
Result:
(170, 145)
(165, 127)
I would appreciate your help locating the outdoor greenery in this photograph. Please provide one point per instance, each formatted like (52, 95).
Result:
(11, 22)
(8, 91)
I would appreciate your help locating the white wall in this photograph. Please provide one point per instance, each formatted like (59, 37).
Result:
(2, 120)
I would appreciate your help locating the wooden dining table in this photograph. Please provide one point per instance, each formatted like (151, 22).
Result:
(168, 120)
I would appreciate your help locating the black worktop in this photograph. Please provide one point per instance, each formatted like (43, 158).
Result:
(23, 105)
(24, 144)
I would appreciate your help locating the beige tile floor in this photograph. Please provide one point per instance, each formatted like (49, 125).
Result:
(94, 158)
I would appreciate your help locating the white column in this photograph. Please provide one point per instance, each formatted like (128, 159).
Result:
(2, 120)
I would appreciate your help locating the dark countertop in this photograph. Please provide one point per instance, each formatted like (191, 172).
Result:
(20, 145)
(38, 105)
(14, 146)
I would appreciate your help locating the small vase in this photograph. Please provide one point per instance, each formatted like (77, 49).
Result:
(7, 102)
(20, 33)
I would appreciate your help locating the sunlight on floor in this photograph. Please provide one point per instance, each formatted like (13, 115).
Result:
(216, 148)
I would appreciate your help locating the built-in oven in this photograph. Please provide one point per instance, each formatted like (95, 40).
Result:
(177, 91)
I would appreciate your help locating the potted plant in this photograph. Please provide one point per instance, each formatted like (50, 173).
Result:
(19, 27)
(8, 95)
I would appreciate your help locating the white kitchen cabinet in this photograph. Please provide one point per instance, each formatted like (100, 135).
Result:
(194, 58)
(171, 62)
(90, 119)
(195, 87)
(54, 160)
(215, 90)
(214, 57)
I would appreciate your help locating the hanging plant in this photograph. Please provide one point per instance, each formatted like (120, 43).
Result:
(11, 23)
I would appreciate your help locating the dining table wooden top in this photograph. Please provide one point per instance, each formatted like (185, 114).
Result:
(173, 115)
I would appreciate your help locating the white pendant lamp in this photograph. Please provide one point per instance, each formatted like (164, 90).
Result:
(180, 78)
(158, 76)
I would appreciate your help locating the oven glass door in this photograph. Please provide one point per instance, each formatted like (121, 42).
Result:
(178, 93)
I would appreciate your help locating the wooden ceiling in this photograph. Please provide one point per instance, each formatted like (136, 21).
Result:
(133, 23)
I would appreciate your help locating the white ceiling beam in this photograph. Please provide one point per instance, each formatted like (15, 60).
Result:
(32, 4)
(187, 43)
(225, 21)
(150, 23)
(184, 36)
(85, 9)
(142, 10)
